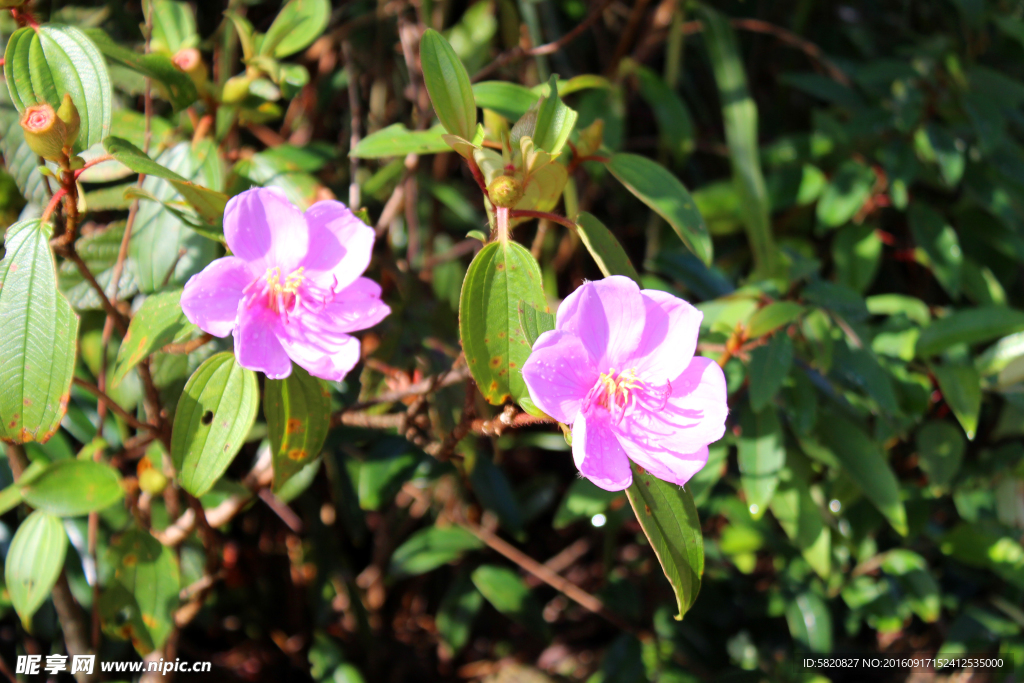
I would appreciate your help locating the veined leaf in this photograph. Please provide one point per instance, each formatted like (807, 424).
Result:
(37, 348)
(656, 187)
(555, 122)
(45, 63)
(501, 275)
(296, 26)
(21, 162)
(448, 85)
(34, 561)
(298, 412)
(668, 517)
(174, 26)
(601, 243)
(157, 323)
(176, 84)
(69, 488)
(213, 417)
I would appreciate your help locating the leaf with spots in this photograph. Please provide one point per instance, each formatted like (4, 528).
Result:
(157, 323)
(37, 347)
(69, 488)
(502, 275)
(214, 414)
(34, 561)
(139, 602)
(298, 412)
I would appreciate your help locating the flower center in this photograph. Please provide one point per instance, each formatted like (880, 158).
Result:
(282, 295)
(621, 392)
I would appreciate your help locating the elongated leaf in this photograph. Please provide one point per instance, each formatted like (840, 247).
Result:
(810, 622)
(969, 326)
(298, 412)
(148, 573)
(769, 366)
(297, 25)
(761, 457)
(845, 194)
(601, 243)
(430, 548)
(509, 595)
(379, 477)
(772, 317)
(69, 488)
(864, 462)
(214, 414)
(798, 515)
(172, 82)
(448, 85)
(396, 141)
(174, 26)
(34, 561)
(511, 100)
(501, 275)
(45, 63)
(157, 323)
(208, 203)
(656, 187)
(37, 347)
(940, 242)
(940, 447)
(675, 127)
(668, 516)
(960, 385)
(21, 162)
(739, 113)
(555, 122)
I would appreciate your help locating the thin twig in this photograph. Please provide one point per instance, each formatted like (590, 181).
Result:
(121, 412)
(185, 348)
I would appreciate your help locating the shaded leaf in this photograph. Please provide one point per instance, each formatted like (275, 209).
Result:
(298, 414)
(34, 560)
(430, 548)
(602, 245)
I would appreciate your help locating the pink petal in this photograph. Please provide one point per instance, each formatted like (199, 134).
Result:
(670, 336)
(332, 365)
(256, 343)
(357, 307)
(262, 227)
(598, 454)
(693, 416)
(340, 245)
(211, 297)
(676, 468)
(559, 373)
(608, 315)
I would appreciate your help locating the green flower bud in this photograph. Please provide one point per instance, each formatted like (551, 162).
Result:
(191, 62)
(152, 481)
(68, 113)
(504, 191)
(45, 133)
(236, 89)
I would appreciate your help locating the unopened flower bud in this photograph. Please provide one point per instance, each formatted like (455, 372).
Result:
(191, 62)
(68, 113)
(45, 133)
(236, 89)
(152, 481)
(504, 191)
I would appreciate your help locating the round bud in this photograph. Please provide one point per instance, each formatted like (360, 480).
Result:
(152, 481)
(504, 191)
(191, 62)
(44, 132)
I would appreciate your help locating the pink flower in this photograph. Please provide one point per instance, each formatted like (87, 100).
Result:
(619, 367)
(292, 291)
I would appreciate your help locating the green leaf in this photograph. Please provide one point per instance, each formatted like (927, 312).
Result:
(939, 241)
(298, 413)
(379, 477)
(396, 141)
(21, 162)
(430, 548)
(209, 204)
(158, 322)
(171, 82)
(769, 365)
(810, 622)
(601, 243)
(668, 516)
(799, 516)
(213, 417)
(448, 85)
(174, 26)
(864, 461)
(45, 63)
(37, 348)
(772, 317)
(459, 607)
(148, 573)
(960, 385)
(297, 25)
(739, 113)
(761, 456)
(656, 187)
(583, 500)
(161, 234)
(34, 561)
(501, 275)
(99, 251)
(940, 450)
(846, 193)
(857, 253)
(969, 326)
(675, 127)
(70, 488)
(534, 322)
(511, 100)
(555, 122)
(509, 595)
